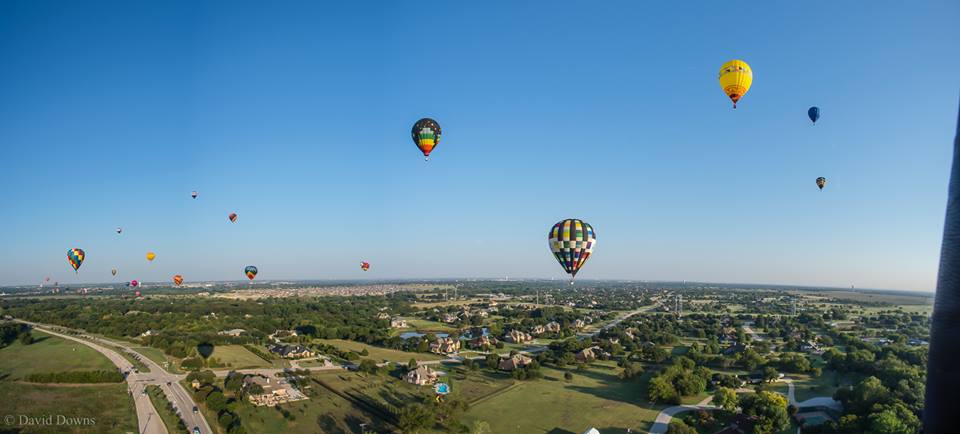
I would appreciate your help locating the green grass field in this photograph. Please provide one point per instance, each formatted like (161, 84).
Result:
(109, 405)
(158, 357)
(49, 354)
(595, 397)
(380, 354)
(238, 357)
(424, 326)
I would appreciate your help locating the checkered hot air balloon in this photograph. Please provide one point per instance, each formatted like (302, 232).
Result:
(75, 258)
(177, 280)
(572, 242)
(250, 271)
(426, 135)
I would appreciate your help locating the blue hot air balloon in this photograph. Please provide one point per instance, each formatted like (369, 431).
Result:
(814, 113)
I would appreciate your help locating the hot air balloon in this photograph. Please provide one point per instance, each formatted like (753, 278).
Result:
(151, 256)
(136, 293)
(250, 271)
(134, 283)
(364, 265)
(735, 79)
(46, 279)
(113, 271)
(232, 217)
(821, 181)
(177, 280)
(119, 229)
(193, 194)
(572, 242)
(75, 257)
(813, 113)
(426, 135)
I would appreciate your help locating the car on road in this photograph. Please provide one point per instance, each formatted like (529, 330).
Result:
(168, 383)
(196, 430)
(195, 410)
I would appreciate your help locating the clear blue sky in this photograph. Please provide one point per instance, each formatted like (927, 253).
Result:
(296, 115)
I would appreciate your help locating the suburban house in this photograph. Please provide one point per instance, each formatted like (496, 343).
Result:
(517, 361)
(450, 318)
(422, 376)
(734, 349)
(553, 327)
(586, 355)
(233, 332)
(383, 315)
(517, 337)
(812, 347)
(579, 324)
(398, 323)
(445, 346)
(148, 333)
(272, 394)
(482, 342)
(538, 330)
(291, 351)
(195, 384)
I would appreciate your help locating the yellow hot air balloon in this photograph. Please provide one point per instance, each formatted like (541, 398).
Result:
(151, 255)
(735, 79)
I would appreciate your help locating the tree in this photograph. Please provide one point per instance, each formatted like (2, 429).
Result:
(631, 370)
(216, 401)
(369, 366)
(662, 390)
(770, 374)
(678, 426)
(26, 338)
(770, 409)
(492, 361)
(725, 398)
(894, 419)
(414, 418)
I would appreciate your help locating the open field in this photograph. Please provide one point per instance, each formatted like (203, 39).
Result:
(806, 386)
(238, 357)
(159, 358)
(595, 397)
(109, 405)
(49, 354)
(423, 325)
(380, 354)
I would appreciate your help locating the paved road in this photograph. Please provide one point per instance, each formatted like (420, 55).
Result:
(182, 401)
(148, 421)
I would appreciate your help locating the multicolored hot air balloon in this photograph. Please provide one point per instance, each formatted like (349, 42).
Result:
(814, 113)
(75, 257)
(232, 217)
(572, 242)
(119, 229)
(193, 194)
(426, 135)
(364, 265)
(151, 256)
(250, 271)
(735, 79)
(113, 271)
(821, 181)
(177, 280)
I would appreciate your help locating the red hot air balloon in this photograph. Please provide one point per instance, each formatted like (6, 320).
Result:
(364, 265)
(232, 217)
(134, 283)
(177, 280)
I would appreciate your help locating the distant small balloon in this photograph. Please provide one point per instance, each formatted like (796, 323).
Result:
(814, 113)
(137, 293)
(250, 271)
(47, 279)
(151, 256)
(232, 217)
(177, 280)
(821, 181)
(119, 230)
(135, 283)
(193, 194)
(113, 271)
(364, 265)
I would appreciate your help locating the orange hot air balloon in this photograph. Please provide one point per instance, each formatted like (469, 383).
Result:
(177, 280)
(232, 217)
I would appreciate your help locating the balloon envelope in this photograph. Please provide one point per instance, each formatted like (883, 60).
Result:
(735, 79)
(177, 280)
(75, 258)
(426, 135)
(193, 194)
(821, 181)
(572, 242)
(364, 265)
(119, 230)
(113, 271)
(151, 256)
(232, 217)
(137, 293)
(813, 113)
(250, 271)
(134, 283)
